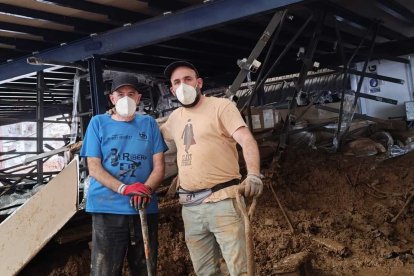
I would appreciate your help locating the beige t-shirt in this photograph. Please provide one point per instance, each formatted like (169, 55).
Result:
(206, 150)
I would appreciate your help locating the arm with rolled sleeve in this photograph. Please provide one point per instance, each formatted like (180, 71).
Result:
(254, 185)
(235, 126)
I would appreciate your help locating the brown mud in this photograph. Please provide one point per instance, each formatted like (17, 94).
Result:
(334, 203)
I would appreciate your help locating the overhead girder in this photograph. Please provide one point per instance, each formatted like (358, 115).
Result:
(156, 30)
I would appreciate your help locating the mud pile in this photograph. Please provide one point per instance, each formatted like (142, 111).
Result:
(343, 211)
(350, 216)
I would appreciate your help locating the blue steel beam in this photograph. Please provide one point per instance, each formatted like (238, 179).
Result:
(146, 32)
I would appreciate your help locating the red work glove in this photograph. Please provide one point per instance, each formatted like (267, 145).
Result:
(139, 202)
(140, 194)
(136, 188)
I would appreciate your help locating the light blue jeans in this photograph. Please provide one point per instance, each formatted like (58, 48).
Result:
(210, 227)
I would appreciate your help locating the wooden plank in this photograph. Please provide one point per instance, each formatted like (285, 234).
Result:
(24, 233)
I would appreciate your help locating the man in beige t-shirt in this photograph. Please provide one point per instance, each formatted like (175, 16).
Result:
(206, 131)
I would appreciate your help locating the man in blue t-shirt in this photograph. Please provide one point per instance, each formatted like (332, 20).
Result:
(125, 156)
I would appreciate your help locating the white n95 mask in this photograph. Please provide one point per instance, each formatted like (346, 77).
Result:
(187, 95)
(125, 107)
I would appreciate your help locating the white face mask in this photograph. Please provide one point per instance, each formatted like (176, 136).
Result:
(125, 107)
(186, 94)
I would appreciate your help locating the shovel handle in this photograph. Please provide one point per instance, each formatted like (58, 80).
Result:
(247, 228)
(145, 238)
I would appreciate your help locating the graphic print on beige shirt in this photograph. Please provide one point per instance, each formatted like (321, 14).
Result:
(206, 150)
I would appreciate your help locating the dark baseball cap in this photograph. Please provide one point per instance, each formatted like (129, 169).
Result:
(172, 66)
(124, 79)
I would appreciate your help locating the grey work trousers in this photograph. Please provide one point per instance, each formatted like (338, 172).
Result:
(111, 243)
(211, 227)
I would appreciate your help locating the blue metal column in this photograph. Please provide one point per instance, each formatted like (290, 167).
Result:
(99, 101)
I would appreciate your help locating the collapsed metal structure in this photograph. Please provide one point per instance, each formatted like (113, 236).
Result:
(289, 36)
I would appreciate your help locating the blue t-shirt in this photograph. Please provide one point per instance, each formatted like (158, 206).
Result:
(126, 150)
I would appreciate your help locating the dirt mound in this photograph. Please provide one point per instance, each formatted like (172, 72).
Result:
(347, 213)
(345, 201)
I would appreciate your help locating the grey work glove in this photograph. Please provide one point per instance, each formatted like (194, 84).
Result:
(253, 185)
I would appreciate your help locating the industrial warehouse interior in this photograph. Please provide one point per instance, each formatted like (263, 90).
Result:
(325, 86)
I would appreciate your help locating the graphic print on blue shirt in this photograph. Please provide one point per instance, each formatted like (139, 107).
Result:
(130, 167)
(128, 162)
(125, 150)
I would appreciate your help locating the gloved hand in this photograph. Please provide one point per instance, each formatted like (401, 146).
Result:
(136, 188)
(139, 201)
(140, 194)
(253, 185)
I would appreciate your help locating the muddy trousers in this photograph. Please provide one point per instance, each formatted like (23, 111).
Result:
(211, 227)
(111, 243)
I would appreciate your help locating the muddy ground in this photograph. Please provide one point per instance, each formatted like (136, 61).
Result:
(349, 204)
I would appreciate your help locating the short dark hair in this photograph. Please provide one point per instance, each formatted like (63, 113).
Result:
(123, 79)
(181, 63)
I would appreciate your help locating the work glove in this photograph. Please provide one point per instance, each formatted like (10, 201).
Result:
(253, 185)
(139, 202)
(140, 194)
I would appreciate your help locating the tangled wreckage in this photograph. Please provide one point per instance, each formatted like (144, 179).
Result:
(327, 91)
